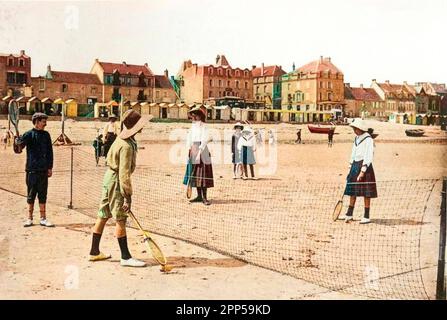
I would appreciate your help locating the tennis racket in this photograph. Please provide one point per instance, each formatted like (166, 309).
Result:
(13, 111)
(337, 209)
(157, 254)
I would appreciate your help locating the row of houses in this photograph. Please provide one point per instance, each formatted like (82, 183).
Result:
(315, 91)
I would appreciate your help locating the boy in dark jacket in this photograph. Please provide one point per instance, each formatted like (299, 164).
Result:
(39, 166)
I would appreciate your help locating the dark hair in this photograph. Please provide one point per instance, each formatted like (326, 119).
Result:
(38, 119)
(370, 131)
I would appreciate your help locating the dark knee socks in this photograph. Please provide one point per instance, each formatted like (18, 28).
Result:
(252, 170)
(96, 238)
(366, 213)
(350, 211)
(204, 193)
(125, 254)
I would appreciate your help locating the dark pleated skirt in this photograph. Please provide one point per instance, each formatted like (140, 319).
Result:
(200, 173)
(365, 188)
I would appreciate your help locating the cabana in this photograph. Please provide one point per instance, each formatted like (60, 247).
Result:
(71, 108)
(145, 108)
(22, 104)
(47, 105)
(163, 110)
(221, 112)
(173, 111)
(154, 110)
(183, 111)
(34, 105)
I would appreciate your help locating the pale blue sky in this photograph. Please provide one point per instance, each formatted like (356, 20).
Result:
(392, 40)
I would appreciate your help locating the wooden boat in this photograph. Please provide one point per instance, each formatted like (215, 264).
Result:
(414, 132)
(318, 129)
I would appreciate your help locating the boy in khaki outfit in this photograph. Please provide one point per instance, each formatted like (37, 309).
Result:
(117, 189)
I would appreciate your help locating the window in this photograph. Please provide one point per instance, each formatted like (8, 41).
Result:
(210, 94)
(165, 94)
(219, 72)
(21, 63)
(321, 96)
(246, 73)
(288, 86)
(257, 89)
(20, 78)
(237, 84)
(246, 85)
(265, 89)
(238, 73)
(228, 83)
(329, 85)
(157, 94)
(108, 79)
(129, 81)
(228, 73)
(11, 77)
(41, 84)
(211, 82)
(210, 70)
(329, 96)
(10, 62)
(321, 84)
(64, 87)
(220, 83)
(93, 90)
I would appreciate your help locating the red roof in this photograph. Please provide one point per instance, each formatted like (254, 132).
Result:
(365, 94)
(124, 68)
(162, 82)
(320, 65)
(75, 77)
(268, 71)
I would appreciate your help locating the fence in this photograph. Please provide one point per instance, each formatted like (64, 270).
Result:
(282, 226)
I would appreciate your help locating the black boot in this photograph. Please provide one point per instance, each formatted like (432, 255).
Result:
(205, 200)
(199, 197)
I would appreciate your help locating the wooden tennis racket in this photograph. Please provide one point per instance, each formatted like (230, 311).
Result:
(157, 254)
(337, 209)
(13, 111)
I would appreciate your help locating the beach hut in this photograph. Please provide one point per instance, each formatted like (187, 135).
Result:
(145, 108)
(136, 106)
(209, 111)
(71, 108)
(34, 105)
(113, 107)
(173, 111)
(58, 104)
(183, 111)
(163, 110)
(221, 112)
(154, 110)
(22, 104)
(47, 105)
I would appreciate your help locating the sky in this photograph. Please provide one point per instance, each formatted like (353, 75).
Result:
(396, 40)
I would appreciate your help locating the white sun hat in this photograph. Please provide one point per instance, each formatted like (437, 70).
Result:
(359, 124)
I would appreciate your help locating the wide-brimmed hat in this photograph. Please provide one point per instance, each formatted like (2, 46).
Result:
(239, 125)
(200, 110)
(131, 124)
(359, 124)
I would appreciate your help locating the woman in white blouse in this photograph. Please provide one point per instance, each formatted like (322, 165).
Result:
(199, 168)
(361, 181)
(246, 148)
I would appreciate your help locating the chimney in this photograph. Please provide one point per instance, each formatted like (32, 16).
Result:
(361, 85)
(124, 63)
(262, 69)
(374, 80)
(49, 68)
(253, 67)
(405, 82)
(146, 65)
(96, 60)
(348, 85)
(217, 59)
(293, 66)
(166, 73)
(22, 52)
(328, 59)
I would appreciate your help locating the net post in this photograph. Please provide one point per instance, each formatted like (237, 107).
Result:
(70, 206)
(440, 281)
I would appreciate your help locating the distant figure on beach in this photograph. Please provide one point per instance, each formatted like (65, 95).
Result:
(298, 136)
(110, 132)
(361, 181)
(247, 148)
(330, 138)
(236, 158)
(271, 137)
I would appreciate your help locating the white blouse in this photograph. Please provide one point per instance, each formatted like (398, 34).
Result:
(245, 141)
(363, 149)
(198, 133)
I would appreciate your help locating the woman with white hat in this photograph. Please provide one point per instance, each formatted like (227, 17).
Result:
(361, 181)
(201, 172)
(236, 158)
(247, 147)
